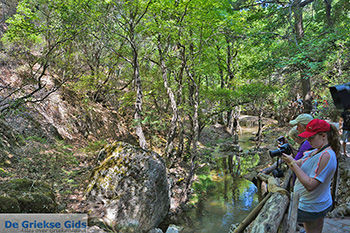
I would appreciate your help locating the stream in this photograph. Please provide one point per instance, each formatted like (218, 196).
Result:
(222, 198)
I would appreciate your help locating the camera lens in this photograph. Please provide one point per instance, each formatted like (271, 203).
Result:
(274, 153)
(285, 148)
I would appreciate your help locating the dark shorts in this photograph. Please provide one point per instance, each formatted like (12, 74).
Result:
(304, 216)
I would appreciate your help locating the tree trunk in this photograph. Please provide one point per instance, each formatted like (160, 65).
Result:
(173, 124)
(194, 98)
(293, 213)
(306, 88)
(251, 215)
(299, 33)
(298, 20)
(179, 101)
(138, 102)
(328, 8)
(258, 134)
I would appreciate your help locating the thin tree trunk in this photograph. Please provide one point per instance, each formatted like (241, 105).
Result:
(138, 102)
(173, 124)
(194, 99)
(328, 8)
(299, 33)
(260, 125)
(179, 79)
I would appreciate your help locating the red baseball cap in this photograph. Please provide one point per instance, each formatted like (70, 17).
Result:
(315, 126)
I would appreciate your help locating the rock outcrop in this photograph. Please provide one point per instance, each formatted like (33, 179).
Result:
(128, 190)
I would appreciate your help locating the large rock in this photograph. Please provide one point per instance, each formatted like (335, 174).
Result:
(128, 190)
(26, 196)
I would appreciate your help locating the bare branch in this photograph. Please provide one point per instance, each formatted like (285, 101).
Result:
(144, 12)
(258, 4)
(304, 3)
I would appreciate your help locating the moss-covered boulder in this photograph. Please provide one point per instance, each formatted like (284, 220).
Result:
(26, 196)
(9, 205)
(128, 190)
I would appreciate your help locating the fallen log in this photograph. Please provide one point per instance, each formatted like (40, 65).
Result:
(277, 195)
(251, 215)
(271, 214)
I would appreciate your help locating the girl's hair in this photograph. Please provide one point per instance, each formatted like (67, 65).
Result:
(333, 139)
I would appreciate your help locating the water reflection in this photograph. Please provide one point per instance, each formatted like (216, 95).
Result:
(227, 200)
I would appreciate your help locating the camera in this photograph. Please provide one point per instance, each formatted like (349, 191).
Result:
(285, 148)
(281, 140)
(341, 95)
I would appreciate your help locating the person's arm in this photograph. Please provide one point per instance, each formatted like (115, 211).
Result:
(310, 183)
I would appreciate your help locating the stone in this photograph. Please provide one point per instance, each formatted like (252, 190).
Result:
(129, 190)
(95, 229)
(173, 229)
(155, 230)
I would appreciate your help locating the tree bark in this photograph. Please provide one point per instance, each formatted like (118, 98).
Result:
(328, 8)
(194, 98)
(179, 101)
(293, 213)
(299, 33)
(258, 134)
(174, 120)
(298, 20)
(271, 214)
(138, 101)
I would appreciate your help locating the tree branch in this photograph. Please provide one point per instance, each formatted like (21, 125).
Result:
(238, 8)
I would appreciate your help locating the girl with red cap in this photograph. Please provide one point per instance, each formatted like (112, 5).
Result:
(315, 171)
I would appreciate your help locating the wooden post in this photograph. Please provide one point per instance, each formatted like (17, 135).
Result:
(293, 213)
(258, 186)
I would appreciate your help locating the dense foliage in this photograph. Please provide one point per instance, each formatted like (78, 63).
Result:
(175, 66)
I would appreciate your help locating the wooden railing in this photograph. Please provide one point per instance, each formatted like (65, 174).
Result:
(277, 210)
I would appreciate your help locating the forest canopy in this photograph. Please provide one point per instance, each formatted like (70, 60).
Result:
(175, 66)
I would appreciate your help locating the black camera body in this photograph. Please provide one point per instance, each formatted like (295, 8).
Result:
(341, 95)
(285, 148)
(278, 173)
(281, 140)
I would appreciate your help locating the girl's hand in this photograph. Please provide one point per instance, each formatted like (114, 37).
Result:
(287, 158)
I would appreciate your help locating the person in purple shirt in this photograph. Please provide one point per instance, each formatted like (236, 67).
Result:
(304, 145)
(300, 123)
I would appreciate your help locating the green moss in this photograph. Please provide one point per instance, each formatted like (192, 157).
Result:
(24, 185)
(115, 159)
(36, 203)
(4, 173)
(9, 205)
(32, 196)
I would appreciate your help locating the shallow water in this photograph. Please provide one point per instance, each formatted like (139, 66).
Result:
(222, 199)
(228, 200)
